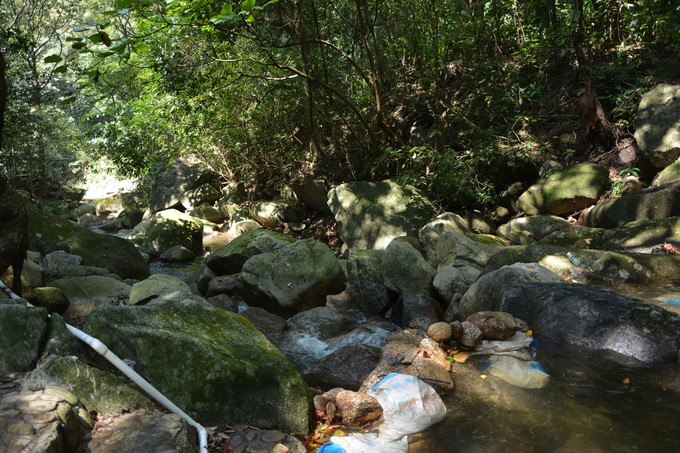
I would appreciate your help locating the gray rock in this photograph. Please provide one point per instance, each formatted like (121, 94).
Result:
(53, 299)
(494, 325)
(565, 191)
(481, 294)
(657, 132)
(453, 248)
(228, 371)
(144, 431)
(116, 254)
(293, 278)
(86, 293)
(177, 179)
(346, 367)
(450, 281)
(269, 214)
(208, 212)
(22, 330)
(114, 204)
(155, 286)
(177, 254)
(204, 194)
(447, 221)
(668, 175)
(652, 203)
(590, 317)
(365, 282)
(321, 322)
(416, 311)
(231, 258)
(369, 215)
(239, 227)
(440, 332)
(471, 335)
(60, 259)
(171, 227)
(313, 192)
(527, 230)
(223, 302)
(405, 271)
(269, 324)
(224, 284)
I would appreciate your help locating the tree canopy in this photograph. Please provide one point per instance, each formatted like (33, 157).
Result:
(457, 97)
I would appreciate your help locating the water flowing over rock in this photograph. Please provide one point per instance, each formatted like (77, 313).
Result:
(371, 214)
(657, 131)
(565, 191)
(292, 279)
(212, 363)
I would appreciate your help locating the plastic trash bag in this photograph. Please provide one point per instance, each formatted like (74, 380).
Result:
(521, 373)
(409, 406)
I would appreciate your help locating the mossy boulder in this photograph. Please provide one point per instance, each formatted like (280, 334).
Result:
(154, 286)
(113, 253)
(565, 191)
(230, 258)
(668, 175)
(527, 230)
(365, 283)
(48, 232)
(22, 332)
(652, 203)
(657, 131)
(172, 227)
(97, 389)
(212, 363)
(293, 278)
(114, 204)
(370, 214)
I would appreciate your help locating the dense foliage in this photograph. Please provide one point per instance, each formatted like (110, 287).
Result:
(457, 97)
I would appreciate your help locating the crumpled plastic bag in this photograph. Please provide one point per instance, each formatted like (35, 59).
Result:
(521, 373)
(409, 406)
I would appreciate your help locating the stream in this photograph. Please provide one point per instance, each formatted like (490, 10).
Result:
(592, 404)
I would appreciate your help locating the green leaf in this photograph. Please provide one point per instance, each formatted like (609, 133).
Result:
(53, 59)
(226, 10)
(78, 45)
(96, 39)
(60, 70)
(247, 5)
(69, 100)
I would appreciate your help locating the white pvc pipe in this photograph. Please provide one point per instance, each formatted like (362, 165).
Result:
(103, 350)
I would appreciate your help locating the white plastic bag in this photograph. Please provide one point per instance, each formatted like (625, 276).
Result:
(409, 406)
(525, 374)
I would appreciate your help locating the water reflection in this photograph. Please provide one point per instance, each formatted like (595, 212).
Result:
(591, 405)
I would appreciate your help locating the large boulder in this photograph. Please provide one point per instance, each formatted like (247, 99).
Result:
(586, 316)
(480, 296)
(453, 248)
(657, 131)
(230, 258)
(565, 191)
(155, 286)
(212, 363)
(22, 332)
(526, 230)
(48, 232)
(313, 192)
(172, 227)
(365, 283)
(293, 278)
(112, 205)
(652, 203)
(86, 293)
(370, 214)
(668, 175)
(172, 183)
(447, 221)
(113, 253)
(405, 270)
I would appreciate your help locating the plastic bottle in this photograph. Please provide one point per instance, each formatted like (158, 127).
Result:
(575, 261)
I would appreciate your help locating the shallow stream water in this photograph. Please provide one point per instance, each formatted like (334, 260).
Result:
(592, 404)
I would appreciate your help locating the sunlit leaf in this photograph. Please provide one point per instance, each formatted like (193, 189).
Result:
(247, 5)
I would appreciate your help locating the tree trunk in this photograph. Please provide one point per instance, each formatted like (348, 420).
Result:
(3, 98)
